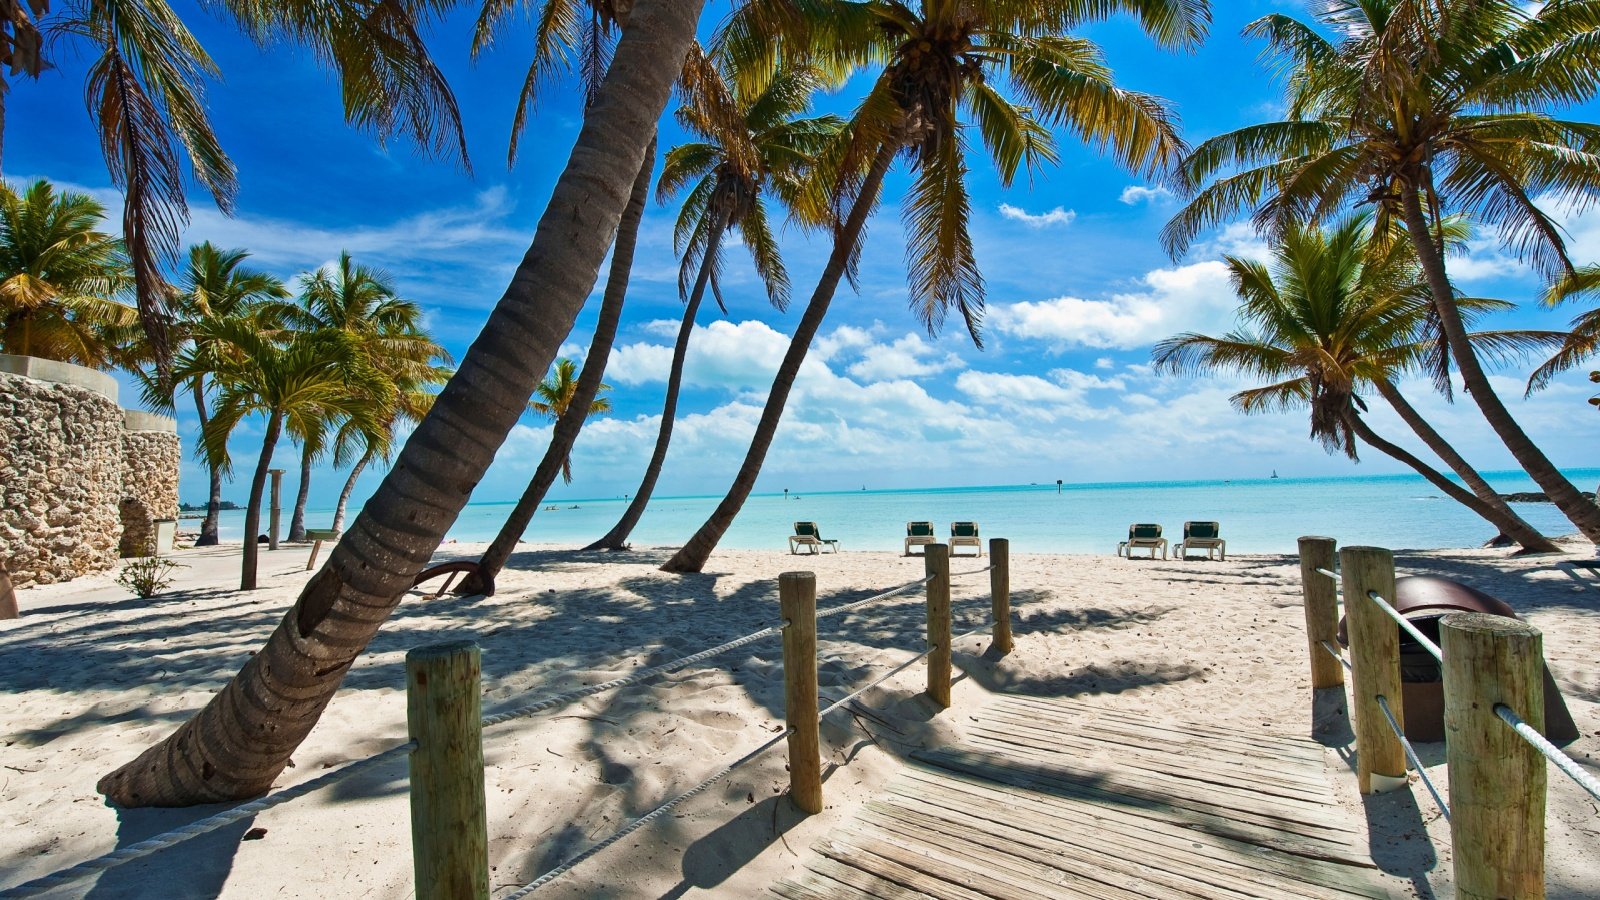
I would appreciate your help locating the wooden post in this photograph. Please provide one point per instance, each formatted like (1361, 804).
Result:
(1374, 667)
(449, 831)
(1000, 593)
(797, 597)
(1322, 609)
(276, 509)
(1497, 779)
(8, 595)
(937, 564)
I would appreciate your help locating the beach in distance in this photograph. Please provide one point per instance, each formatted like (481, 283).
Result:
(1263, 515)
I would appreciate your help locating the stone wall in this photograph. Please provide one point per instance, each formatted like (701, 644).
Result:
(60, 479)
(81, 479)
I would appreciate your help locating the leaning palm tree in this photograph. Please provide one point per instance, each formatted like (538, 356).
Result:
(59, 277)
(941, 60)
(1423, 108)
(361, 305)
(767, 146)
(1339, 311)
(21, 46)
(242, 740)
(293, 379)
(215, 285)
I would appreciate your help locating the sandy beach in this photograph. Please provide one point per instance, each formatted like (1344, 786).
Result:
(91, 676)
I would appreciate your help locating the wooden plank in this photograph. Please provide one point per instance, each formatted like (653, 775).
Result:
(990, 880)
(1157, 733)
(994, 856)
(1054, 854)
(861, 882)
(1122, 835)
(1219, 774)
(909, 871)
(1151, 804)
(1308, 770)
(1084, 714)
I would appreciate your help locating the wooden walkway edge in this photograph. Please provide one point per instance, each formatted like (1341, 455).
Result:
(1050, 798)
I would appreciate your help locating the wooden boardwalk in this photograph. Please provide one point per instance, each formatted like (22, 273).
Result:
(1055, 799)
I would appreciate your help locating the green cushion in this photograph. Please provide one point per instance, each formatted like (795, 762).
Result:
(920, 529)
(964, 529)
(806, 529)
(1201, 530)
(1144, 531)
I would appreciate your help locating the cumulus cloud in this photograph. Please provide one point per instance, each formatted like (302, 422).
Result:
(908, 357)
(1135, 194)
(1057, 216)
(1195, 297)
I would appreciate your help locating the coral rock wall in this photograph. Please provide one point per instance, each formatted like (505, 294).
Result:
(67, 464)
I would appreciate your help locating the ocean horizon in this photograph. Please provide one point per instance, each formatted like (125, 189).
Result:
(1263, 515)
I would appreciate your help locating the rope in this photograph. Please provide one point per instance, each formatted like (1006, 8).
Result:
(1426, 642)
(1328, 572)
(973, 572)
(892, 592)
(552, 702)
(888, 675)
(1328, 646)
(1383, 704)
(647, 818)
(195, 829)
(1550, 751)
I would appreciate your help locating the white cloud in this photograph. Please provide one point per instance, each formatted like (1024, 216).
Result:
(1104, 362)
(1135, 194)
(844, 339)
(1195, 297)
(1057, 216)
(908, 357)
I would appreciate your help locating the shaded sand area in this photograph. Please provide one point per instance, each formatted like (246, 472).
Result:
(89, 677)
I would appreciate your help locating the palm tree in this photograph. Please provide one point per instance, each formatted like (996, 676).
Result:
(764, 146)
(1338, 311)
(555, 395)
(409, 401)
(214, 286)
(1423, 108)
(362, 306)
(940, 60)
(241, 741)
(293, 379)
(59, 277)
(1583, 340)
(21, 46)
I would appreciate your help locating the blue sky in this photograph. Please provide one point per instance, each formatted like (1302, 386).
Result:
(1078, 290)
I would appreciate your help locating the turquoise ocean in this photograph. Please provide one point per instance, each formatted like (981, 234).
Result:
(1257, 516)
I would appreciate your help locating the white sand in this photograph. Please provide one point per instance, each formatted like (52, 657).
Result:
(91, 676)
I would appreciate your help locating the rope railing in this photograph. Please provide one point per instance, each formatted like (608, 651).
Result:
(646, 819)
(204, 826)
(1411, 754)
(1328, 572)
(1550, 751)
(939, 573)
(1328, 646)
(1411, 629)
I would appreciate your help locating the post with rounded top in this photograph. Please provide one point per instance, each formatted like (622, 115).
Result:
(937, 564)
(797, 597)
(1000, 592)
(1374, 667)
(449, 831)
(1497, 779)
(276, 509)
(1322, 609)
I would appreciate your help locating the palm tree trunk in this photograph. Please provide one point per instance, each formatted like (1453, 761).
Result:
(617, 537)
(252, 510)
(557, 457)
(1456, 492)
(208, 527)
(241, 741)
(1580, 510)
(349, 486)
(297, 520)
(692, 556)
(1523, 533)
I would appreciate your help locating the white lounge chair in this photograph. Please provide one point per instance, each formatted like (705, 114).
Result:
(1201, 536)
(807, 535)
(919, 534)
(1143, 536)
(965, 534)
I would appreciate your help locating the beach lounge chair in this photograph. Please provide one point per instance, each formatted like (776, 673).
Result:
(807, 535)
(1143, 536)
(1201, 536)
(919, 533)
(965, 534)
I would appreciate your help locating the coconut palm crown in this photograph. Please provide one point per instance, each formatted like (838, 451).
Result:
(940, 64)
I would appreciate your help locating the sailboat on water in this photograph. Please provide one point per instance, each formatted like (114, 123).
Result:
(1274, 473)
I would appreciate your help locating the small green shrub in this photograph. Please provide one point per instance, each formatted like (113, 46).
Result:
(148, 576)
